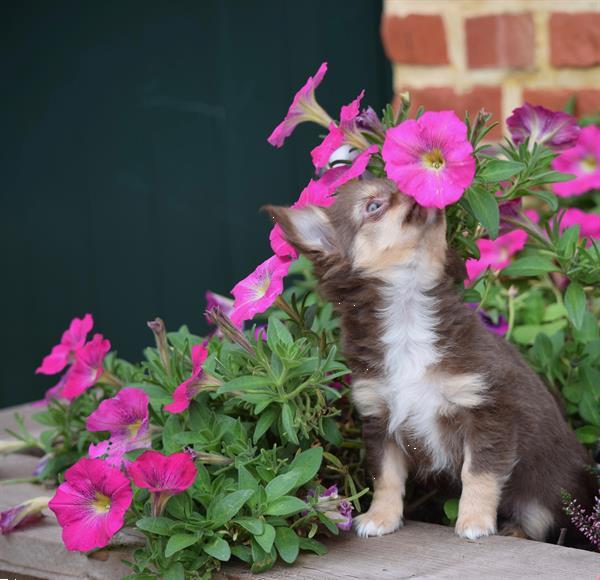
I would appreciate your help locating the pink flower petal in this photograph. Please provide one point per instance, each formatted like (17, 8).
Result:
(87, 368)
(163, 473)
(333, 140)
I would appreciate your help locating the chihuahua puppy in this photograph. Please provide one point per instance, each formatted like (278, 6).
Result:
(437, 392)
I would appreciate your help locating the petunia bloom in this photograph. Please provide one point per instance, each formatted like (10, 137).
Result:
(336, 508)
(496, 254)
(90, 505)
(214, 300)
(72, 340)
(346, 132)
(125, 417)
(163, 476)
(430, 159)
(26, 513)
(583, 161)
(304, 107)
(555, 129)
(589, 223)
(256, 292)
(87, 368)
(500, 327)
(187, 390)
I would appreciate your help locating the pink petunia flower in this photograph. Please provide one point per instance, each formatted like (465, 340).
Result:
(125, 417)
(430, 159)
(90, 505)
(335, 177)
(346, 132)
(555, 129)
(336, 508)
(583, 161)
(163, 476)
(87, 368)
(72, 340)
(22, 515)
(214, 300)
(256, 292)
(187, 390)
(589, 223)
(304, 107)
(496, 254)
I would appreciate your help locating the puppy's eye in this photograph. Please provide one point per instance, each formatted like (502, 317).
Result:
(373, 206)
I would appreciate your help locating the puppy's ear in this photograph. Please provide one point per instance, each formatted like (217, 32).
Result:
(307, 229)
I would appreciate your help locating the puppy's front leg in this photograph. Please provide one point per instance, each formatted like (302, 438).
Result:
(478, 506)
(387, 508)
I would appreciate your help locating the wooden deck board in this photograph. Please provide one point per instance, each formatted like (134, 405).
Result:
(417, 551)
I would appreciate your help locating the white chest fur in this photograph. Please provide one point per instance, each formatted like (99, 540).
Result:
(412, 392)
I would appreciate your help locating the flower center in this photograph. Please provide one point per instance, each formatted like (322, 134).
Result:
(261, 287)
(589, 164)
(433, 160)
(102, 503)
(134, 427)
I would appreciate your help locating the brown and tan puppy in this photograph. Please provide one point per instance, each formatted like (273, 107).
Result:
(438, 393)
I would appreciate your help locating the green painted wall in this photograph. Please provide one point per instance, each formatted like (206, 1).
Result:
(133, 155)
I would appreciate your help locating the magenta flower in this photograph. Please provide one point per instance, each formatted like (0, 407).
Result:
(22, 515)
(500, 327)
(336, 508)
(72, 340)
(554, 129)
(583, 161)
(304, 107)
(214, 300)
(430, 159)
(256, 292)
(87, 368)
(125, 417)
(90, 505)
(337, 136)
(335, 177)
(368, 121)
(589, 223)
(496, 254)
(163, 475)
(187, 390)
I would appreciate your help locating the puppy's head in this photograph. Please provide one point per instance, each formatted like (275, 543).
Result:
(371, 225)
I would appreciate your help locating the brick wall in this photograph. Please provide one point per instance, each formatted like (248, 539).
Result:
(469, 54)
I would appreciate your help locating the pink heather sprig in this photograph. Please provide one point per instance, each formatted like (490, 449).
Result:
(587, 524)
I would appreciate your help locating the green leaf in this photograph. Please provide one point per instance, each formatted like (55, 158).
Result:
(266, 539)
(451, 509)
(285, 506)
(265, 420)
(225, 508)
(499, 170)
(572, 393)
(331, 431)
(589, 408)
(160, 526)
(546, 196)
(179, 542)
(287, 420)
(245, 383)
(307, 464)
(526, 333)
(588, 434)
(277, 333)
(281, 485)
(287, 544)
(575, 304)
(218, 548)
(485, 209)
(554, 311)
(543, 349)
(174, 572)
(255, 526)
(242, 552)
(312, 546)
(530, 266)
(567, 242)
(44, 418)
(170, 430)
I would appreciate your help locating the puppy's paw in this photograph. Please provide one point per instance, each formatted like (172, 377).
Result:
(377, 522)
(472, 527)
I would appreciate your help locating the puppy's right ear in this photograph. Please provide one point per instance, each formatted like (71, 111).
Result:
(307, 229)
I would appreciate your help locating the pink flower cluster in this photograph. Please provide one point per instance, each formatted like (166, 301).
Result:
(91, 504)
(83, 359)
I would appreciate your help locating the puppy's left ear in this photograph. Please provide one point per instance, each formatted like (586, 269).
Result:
(307, 229)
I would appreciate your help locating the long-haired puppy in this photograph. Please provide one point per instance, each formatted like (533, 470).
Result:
(437, 392)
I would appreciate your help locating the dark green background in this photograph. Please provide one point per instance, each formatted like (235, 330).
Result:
(133, 155)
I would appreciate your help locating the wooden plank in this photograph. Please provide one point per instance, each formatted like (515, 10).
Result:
(417, 551)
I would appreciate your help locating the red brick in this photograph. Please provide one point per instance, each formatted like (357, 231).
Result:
(500, 41)
(587, 101)
(415, 39)
(575, 39)
(445, 98)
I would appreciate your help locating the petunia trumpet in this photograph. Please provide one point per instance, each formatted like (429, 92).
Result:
(187, 390)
